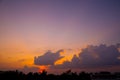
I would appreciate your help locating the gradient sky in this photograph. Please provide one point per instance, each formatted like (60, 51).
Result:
(29, 28)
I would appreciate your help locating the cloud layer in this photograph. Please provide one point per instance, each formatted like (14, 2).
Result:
(90, 57)
(27, 69)
(94, 56)
(101, 55)
(49, 58)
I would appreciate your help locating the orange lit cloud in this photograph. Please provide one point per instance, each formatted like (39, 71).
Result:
(93, 56)
(68, 55)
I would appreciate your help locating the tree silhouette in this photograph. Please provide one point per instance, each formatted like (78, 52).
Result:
(68, 75)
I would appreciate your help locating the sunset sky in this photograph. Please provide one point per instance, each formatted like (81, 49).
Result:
(58, 35)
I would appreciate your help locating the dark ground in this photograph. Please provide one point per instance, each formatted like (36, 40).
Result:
(68, 75)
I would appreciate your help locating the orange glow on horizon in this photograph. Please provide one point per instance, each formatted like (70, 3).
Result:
(42, 68)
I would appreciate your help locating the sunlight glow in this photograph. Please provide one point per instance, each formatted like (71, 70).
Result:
(42, 68)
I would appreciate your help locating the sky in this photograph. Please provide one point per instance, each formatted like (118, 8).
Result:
(58, 35)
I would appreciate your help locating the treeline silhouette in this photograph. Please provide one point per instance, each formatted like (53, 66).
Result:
(68, 75)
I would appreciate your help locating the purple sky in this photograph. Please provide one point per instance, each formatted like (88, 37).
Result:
(29, 25)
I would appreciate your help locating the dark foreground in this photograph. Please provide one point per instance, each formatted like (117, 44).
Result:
(68, 75)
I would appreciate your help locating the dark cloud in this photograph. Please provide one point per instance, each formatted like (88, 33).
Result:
(27, 69)
(48, 58)
(100, 56)
(118, 45)
(94, 56)
(75, 62)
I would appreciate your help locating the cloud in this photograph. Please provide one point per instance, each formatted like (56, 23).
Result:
(48, 58)
(94, 56)
(101, 55)
(27, 69)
